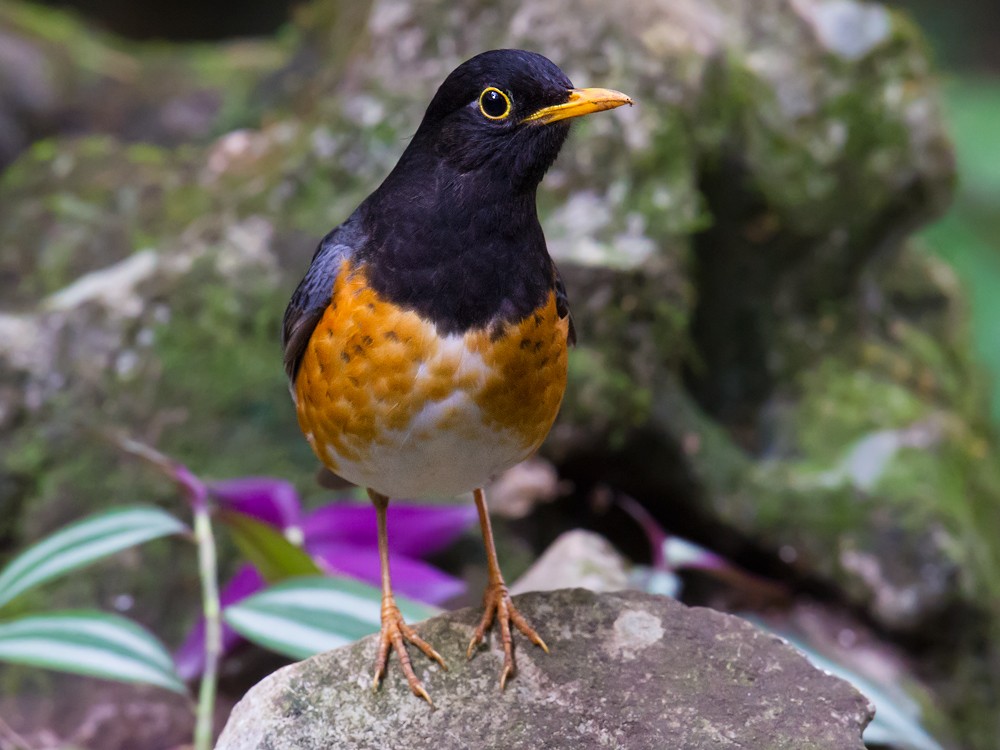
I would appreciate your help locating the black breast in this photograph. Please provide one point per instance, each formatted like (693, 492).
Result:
(458, 258)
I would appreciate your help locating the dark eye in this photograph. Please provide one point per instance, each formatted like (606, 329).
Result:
(494, 103)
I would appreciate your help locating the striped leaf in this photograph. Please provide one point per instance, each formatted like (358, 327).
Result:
(82, 543)
(98, 644)
(305, 616)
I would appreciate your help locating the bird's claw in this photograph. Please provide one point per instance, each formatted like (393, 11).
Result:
(498, 605)
(394, 635)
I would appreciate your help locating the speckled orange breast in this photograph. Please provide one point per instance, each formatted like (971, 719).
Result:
(388, 403)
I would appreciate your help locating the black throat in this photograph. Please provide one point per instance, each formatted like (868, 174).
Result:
(463, 249)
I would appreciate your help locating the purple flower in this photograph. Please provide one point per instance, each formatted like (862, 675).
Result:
(672, 553)
(342, 540)
(415, 530)
(272, 501)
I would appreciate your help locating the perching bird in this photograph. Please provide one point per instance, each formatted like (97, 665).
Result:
(427, 344)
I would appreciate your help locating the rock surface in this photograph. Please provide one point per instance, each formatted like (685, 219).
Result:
(626, 670)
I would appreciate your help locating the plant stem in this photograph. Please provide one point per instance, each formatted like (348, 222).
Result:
(211, 609)
(208, 571)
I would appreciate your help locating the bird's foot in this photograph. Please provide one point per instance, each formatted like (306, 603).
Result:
(394, 634)
(499, 605)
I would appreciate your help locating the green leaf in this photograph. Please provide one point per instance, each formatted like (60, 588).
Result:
(82, 543)
(271, 553)
(91, 643)
(305, 616)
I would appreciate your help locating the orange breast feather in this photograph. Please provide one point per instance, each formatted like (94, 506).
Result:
(378, 386)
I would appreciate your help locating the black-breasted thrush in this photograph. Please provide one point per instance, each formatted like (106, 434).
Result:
(427, 344)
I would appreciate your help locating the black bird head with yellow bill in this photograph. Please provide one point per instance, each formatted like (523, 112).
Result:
(458, 211)
(501, 118)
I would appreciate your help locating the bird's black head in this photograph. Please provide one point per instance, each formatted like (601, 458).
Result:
(504, 114)
(453, 231)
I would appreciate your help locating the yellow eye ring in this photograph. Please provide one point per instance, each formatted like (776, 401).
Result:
(494, 104)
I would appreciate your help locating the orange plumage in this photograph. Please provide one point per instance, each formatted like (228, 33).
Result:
(379, 387)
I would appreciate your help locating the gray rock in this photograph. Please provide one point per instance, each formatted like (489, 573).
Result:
(576, 559)
(626, 670)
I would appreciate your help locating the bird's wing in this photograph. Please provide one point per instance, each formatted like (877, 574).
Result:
(562, 304)
(312, 296)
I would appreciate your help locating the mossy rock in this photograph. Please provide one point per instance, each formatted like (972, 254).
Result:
(735, 247)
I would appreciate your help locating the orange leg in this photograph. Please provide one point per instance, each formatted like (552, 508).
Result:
(496, 600)
(394, 629)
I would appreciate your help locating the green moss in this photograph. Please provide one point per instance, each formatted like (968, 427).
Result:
(220, 356)
(81, 206)
(824, 140)
(841, 402)
(91, 50)
(293, 703)
(792, 502)
(604, 396)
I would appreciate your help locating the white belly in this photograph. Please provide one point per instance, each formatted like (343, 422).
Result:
(446, 449)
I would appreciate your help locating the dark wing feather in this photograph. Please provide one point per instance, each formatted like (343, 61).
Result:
(562, 304)
(310, 299)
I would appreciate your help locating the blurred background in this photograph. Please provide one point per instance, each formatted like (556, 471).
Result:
(784, 266)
